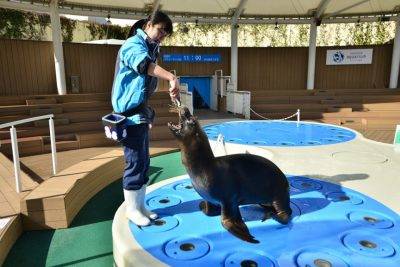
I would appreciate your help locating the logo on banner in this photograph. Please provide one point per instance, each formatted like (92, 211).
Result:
(349, 56)
(338, 57)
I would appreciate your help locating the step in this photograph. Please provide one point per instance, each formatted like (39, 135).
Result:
(83, 97)
(93, 139)
(287, 107)
(14, 110)
(334, 121)
(40, 100)
(12, 100)
(62, 146)
(266, 93)
(60, 138)
(381, 98)
(57, 121)
(365, 114)
(45, 111)
(7, 172)
(12, 118)
(83, 116)
(323, 92)
(272, 100)
(86, 106)
(26, 145)
(339, 109)
(60, 129)
(331, 101)
(392, 106)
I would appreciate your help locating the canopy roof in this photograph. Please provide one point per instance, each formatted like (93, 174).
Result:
(228, 11)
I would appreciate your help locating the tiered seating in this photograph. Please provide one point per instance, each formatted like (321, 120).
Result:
(77, 121)
(359, 109)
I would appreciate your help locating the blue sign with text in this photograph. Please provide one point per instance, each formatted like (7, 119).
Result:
(192, 58)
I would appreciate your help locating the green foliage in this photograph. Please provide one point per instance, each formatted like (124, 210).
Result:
(67, 29)
(22, 25)
(190, 34)
(106, 31)
(16, 24)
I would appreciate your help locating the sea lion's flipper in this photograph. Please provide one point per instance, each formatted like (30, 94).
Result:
(232, 221)
(210, 209)
(282, 215)
(269, 210)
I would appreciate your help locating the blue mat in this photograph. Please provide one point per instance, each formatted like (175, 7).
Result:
(278, 133)
(330, 225)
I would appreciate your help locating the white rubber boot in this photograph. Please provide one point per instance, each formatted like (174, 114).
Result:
(145, 211)
(133, 202)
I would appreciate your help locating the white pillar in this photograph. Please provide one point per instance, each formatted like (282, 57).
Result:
(58, 49)
(394, 72)
(234, 56)
(311, 55)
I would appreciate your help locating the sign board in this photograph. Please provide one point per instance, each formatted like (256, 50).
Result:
(210, 58)
(397, 136)
(349, 56)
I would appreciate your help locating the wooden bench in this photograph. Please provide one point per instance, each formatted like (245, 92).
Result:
(56, 201)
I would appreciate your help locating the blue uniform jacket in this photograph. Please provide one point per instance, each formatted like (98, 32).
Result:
(132, 86)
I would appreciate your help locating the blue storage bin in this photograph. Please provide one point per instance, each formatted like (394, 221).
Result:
(115, 126)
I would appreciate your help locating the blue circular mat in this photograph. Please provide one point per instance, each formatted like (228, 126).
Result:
(330, 225)
(278, 133)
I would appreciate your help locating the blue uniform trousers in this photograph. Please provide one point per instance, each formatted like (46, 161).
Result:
(137, 158)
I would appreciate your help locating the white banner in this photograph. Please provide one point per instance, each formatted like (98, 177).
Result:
(349, 56)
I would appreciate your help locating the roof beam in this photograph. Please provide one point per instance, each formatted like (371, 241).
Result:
(238, 11)
(29, 7)
(321, 8)
(200, 18)
(346, 8)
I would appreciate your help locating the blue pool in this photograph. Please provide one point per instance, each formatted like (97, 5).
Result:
(278, 133)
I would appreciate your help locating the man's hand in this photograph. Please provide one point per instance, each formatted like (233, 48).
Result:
(174, 89)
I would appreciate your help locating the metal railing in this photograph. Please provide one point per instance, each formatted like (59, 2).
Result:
(297, 115)
(14, 145)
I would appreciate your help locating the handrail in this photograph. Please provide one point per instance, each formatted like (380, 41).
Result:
(5, 125)
(14, 145)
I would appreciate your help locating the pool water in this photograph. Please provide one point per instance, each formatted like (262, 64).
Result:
(279, 133)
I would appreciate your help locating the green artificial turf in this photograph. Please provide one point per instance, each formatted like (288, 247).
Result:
(88, 241)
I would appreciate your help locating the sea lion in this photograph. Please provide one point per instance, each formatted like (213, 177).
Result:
(229, 181)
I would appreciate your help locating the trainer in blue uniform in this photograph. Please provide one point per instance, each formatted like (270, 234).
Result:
(135, 80)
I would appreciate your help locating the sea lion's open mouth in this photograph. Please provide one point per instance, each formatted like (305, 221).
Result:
(175, 127)
(181, 115)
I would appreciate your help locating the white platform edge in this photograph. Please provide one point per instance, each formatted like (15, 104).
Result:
(312, 161)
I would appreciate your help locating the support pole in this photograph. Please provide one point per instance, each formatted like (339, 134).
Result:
(58, 48)
(311, 55)
(53, 145)
(394, 72)
(234, 55)
(15, 152)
